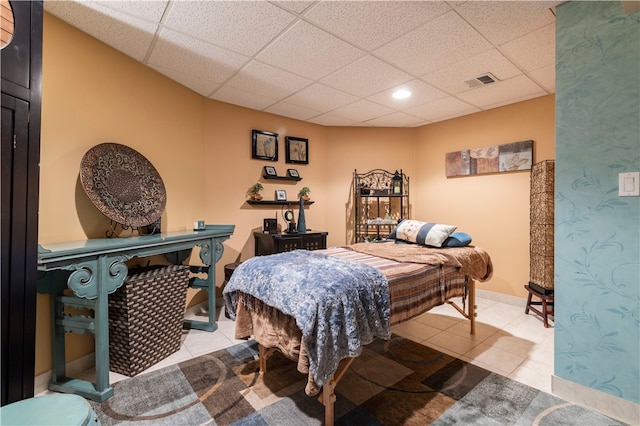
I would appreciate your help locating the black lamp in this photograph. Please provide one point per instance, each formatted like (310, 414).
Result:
(396, 183)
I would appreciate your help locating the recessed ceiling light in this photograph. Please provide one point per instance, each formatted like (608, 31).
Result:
(401, 94)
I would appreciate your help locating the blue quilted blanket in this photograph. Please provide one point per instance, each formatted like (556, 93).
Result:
(339, 305)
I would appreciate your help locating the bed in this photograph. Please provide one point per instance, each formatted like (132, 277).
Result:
(320, 308)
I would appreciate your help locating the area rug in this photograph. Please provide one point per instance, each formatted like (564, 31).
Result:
(394, 382)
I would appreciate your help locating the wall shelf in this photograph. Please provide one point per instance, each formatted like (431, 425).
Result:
(276, 203)
(270, 177)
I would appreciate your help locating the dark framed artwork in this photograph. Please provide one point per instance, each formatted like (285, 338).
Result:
(293, 173)
(264, 145)
(297, 150)
(270, 171)
(281, 195)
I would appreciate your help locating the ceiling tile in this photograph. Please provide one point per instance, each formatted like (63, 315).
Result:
(452, 78)
(442, 109)
(546, 77)
(365, 77)
(369, 25)
(295, 6)
(335, 62)
(502, 21)
(362, 110)
(316, 53)
(194, 57)
(149, 10)
(242, 26)
(263, 79)
(397, 119)
(292, 111)
(534, 50)
(438, 43)
(331, 120)
(197, 84)
(129, 35)
(496, 94)
(420, 94)
(240, 97)
(321, 98)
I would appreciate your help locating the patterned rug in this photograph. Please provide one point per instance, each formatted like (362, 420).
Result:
(395, 382)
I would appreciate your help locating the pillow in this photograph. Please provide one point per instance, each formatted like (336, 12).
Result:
(392, 235)
(425, 233)
(457, 239)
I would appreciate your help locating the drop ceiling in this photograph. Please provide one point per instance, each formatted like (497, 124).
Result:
(337, 63)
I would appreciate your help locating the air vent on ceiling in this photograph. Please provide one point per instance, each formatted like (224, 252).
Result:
(482, 80)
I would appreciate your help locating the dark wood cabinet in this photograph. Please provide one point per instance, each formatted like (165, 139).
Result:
(21, 72)
(281, 242)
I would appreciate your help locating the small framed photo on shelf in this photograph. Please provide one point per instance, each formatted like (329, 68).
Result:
(281, 195)
(293, 173)
(297, 150)
(270, 171)
(264, 145)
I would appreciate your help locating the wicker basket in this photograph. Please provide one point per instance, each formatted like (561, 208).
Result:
(145, 318)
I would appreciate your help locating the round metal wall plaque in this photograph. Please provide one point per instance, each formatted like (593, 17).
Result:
(123, 184)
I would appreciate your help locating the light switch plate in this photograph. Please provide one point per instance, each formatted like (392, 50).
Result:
(629, 184)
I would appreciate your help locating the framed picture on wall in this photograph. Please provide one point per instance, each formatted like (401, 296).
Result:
(281, 195)
(293, 173)
(270, 171)
(297, 150)
(264, 145)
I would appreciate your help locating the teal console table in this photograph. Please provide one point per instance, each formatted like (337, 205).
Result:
(92, 269)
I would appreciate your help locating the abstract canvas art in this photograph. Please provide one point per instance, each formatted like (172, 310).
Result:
(507, 157)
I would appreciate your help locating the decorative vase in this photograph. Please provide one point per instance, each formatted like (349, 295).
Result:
(302, 225)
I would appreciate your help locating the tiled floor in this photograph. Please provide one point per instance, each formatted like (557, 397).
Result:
(507, 341)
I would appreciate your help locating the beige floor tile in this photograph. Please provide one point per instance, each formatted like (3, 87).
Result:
(495, 357)
(534, 374)
(441, 321)
(516, 345)
(483, 331)
(528, 327)
(415, 331)
(458, 344)
(499, 315)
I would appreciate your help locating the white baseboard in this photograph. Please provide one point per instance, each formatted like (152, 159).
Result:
(612, 406)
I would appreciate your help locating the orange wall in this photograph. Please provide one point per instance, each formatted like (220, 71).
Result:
(92, 94)
(493, 209)
(230, 171)
(202, 150)
(361, 149)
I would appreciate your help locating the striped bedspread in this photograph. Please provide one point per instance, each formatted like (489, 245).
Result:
(414, 288)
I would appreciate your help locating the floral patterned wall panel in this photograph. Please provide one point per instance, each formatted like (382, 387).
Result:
(597, 232)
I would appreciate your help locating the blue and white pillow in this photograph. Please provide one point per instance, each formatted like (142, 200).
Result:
(425, 233)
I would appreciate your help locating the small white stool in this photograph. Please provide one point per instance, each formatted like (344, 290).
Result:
(54, 409)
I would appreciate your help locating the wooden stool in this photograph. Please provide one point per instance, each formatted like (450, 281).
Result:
(546, 302)
(53, 409)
